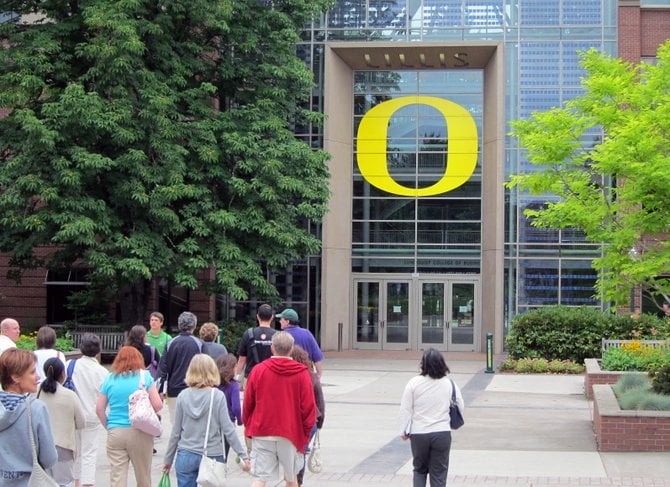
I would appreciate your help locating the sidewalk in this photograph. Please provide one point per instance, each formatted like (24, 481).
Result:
(521, 430)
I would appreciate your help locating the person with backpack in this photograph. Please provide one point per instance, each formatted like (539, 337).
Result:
(67, 418)
(256, 342)
(137, 337)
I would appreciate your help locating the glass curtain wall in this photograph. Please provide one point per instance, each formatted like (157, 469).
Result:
(428, 234)
(542, 39)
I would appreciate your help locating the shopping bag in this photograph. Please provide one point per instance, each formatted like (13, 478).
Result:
(165, 480)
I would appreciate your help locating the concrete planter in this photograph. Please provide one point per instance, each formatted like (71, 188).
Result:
(623, 430)
(595, 375)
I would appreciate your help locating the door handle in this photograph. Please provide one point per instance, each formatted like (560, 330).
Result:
(381, 324)
(446, 325)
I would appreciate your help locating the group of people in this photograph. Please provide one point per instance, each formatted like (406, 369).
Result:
(280, 369)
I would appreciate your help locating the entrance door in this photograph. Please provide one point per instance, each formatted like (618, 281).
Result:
(448, 320)
(382, 314)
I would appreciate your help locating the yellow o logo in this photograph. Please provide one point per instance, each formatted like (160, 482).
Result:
(462, 146)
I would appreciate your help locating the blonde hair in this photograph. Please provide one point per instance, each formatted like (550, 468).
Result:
(202, 372)
(208, 332)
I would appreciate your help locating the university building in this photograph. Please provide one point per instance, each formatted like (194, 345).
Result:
(423, 245)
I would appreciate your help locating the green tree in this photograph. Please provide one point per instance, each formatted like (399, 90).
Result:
(618, 192)
(151, 138)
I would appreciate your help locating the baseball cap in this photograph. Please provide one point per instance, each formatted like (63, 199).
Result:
(290, 314)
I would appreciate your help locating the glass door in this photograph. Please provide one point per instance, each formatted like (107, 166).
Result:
(382, 314)
(368, 322)
(433, 331)
(462, 319)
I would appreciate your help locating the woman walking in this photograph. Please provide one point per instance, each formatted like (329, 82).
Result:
(189, 431)
(126, 444)
(67, 417)
(137, 337)
(424, 418)
(19, 379)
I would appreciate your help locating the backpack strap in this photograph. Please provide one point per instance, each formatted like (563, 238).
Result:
(252, 345)
(70, 369)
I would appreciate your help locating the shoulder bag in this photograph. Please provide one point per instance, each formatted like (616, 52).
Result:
(455, 417)
(140, 411)
(38, 476)
(211, 472)
(314, 461)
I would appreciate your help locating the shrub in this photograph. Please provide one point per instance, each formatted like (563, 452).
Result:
(629, 382)
(540, 366)
(28, 342)
(660, 380)
(561, 332)
(507, 364)
(524, 365)
(232, 333)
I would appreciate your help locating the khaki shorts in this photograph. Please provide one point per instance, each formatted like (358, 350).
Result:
(268, 452)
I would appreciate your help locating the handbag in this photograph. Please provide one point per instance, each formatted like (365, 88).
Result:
(141, 412)
(153, 366)
(38, 476)
(211, 472)
(314, 461)
(455, 417)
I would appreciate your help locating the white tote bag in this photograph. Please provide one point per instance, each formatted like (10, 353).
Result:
(211, 473)
(141, 412)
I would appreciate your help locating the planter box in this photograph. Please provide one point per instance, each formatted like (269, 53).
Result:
(621, 430)
(595, 375)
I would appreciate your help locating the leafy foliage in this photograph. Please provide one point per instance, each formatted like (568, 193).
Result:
(660, 380)
(540, 366)
(154, 139)
(618, 192)
(232, 333)
(561, 332)
(635, 356)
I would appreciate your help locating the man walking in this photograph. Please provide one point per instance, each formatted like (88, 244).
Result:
(9, 334)
(176, 359)
(279, 413)
(290, 323)
(256, 342)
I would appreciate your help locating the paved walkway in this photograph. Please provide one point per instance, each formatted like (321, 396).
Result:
(521, 430)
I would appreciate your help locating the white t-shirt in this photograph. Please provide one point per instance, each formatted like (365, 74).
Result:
(45, 354)
(6, 343)
(88, 375)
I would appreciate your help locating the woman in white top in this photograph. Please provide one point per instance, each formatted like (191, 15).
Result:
(66, 416)
(45, 343)
(424, 416)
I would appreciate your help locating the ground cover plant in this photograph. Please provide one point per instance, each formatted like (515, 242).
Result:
(634, 392)
(540, 366)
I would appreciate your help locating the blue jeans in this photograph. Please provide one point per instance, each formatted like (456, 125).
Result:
(186, 467)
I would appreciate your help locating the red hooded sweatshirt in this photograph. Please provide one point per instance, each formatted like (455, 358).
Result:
(279, 401)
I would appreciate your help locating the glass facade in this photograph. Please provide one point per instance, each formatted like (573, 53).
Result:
(442, 233)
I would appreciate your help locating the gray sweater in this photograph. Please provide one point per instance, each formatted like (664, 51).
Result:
(190, 422)
(16, 458)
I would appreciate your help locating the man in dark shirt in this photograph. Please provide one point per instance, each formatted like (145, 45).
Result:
(177, 357)
(256, 342)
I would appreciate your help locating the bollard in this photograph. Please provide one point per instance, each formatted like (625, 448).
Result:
(340, 328)
(489, 353)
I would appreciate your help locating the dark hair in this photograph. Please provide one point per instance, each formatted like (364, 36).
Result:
(226, 364)
(14, 361)
(433, 364)
(158, 315)
(265, 312)
(136, 337)
(46, 337)
(53, 371)
(90, 345)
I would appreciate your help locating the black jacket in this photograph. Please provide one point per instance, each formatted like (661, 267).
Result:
(175, 361)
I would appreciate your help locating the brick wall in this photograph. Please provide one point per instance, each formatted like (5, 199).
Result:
(655, 26)
(26, 301)
(629, 33)
(595, 375)
(618, 430)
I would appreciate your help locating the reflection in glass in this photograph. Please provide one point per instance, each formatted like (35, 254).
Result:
(432, 312)
(397, 312)
(367, 312)
(462, 313)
